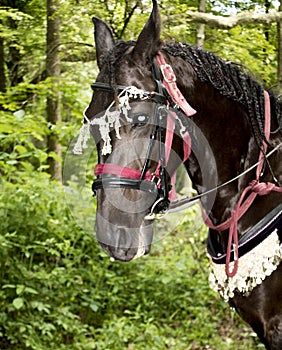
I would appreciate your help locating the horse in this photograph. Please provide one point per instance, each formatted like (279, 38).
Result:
(156, 105)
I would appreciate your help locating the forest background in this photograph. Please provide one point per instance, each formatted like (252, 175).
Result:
(58, 290)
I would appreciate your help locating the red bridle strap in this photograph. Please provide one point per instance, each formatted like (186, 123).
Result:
(113, 169)
(169, 81)
(168, 144)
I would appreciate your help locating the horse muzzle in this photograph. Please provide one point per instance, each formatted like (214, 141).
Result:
(121, 242)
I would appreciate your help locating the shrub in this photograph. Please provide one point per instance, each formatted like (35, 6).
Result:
(60, 291)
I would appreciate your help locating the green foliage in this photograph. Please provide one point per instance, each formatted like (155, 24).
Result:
(60, 291)
(247, 47)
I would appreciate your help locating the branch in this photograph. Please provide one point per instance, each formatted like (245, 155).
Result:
(127, 19)
(229, 22)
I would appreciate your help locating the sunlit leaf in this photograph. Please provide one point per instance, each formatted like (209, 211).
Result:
(18, 303)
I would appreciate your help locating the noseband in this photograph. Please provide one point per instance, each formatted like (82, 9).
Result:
(158, 182)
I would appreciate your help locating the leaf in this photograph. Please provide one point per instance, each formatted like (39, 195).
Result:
(20, 149)
(9, 286)
(19, 114)
(20, 289)
(18, 303)
(30, 290)
(12, 162)
(94, 307)
(40, 306)
(5, 128)
(55, 156)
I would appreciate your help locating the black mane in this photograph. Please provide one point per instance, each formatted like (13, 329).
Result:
(228, 78)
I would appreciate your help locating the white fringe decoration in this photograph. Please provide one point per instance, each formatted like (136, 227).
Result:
(111, 119)
(253, 268)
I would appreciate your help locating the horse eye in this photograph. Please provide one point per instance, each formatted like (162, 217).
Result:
(140, 120)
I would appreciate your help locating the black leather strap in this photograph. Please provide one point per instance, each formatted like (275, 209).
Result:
(121, 182)
(152, 96)
(253, 237)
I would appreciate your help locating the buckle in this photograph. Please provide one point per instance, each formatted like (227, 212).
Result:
(159, 209)
(156, 179)
(168, 73)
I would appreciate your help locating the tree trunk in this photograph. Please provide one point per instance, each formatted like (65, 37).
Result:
(279, 69)
(2, 67)
(53, 100)
(201, 27)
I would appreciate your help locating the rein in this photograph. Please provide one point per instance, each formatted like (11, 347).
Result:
(185, 201)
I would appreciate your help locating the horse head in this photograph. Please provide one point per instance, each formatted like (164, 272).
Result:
(127, 187)
(129, 118)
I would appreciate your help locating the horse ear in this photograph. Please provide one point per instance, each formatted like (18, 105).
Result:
(149, 42)
(104, 40)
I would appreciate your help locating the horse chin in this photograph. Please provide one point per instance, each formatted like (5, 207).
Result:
(125, 245)
(125, 255)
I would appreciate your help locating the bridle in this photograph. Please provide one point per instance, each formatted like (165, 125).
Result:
(158, 183)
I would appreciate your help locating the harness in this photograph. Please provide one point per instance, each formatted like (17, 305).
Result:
(115, 176)
(260, 254)
(255, 236)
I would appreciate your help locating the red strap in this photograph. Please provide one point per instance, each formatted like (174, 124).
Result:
(186, 146)
(171, 86)
(169, 81)
(168, 144)
(113, 169)
(244, 203)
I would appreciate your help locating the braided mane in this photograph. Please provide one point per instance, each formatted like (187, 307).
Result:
(231, 82)
(226, 77)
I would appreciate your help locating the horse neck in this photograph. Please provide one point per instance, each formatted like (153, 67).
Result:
(225, 150)
(231, 148)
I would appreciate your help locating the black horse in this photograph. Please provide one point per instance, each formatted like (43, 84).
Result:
(156, 105)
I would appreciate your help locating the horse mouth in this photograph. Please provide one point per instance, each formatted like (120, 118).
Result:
(126, 245)
(123, 254)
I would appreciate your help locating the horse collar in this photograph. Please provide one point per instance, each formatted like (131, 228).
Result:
(259, 252)
(251, 238)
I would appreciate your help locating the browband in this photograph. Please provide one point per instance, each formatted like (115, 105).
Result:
(153, 96)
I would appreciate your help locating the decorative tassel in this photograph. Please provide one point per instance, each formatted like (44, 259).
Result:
(84, 135)
(109, 119)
